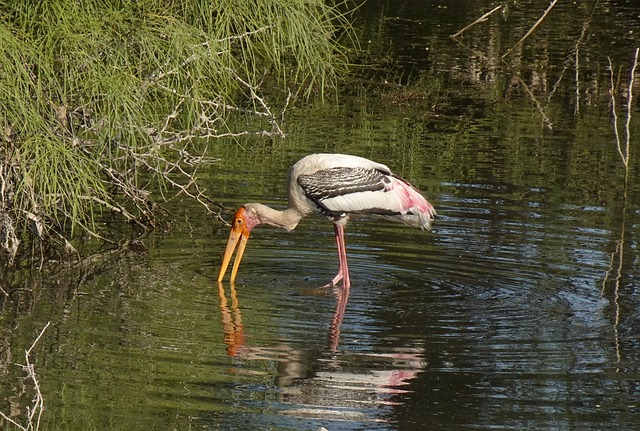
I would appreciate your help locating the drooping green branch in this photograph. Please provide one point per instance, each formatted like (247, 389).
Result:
(105, 104)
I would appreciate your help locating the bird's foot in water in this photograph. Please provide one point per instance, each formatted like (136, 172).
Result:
(337, 279)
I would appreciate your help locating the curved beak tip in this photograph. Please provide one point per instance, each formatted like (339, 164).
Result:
(236, 238)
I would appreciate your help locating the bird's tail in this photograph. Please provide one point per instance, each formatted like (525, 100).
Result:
(417, 210)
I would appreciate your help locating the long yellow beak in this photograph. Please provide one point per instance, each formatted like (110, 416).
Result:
(243, 222)
(236, 238)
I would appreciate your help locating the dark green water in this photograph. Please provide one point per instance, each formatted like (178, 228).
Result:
(519, 311)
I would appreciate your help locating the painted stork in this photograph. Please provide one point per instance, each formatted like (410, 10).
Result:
(338, 186)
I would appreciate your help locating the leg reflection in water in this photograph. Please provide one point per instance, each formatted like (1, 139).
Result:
(233, 327)
(317, 380)
(342, 297)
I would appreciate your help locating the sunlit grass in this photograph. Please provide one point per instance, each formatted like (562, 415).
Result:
(100, 97)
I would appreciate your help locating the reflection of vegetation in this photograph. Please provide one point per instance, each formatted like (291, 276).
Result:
(555, 78)
(615, 273)
(102, 100)
(427, 92)
(34, 413)
(623, 147)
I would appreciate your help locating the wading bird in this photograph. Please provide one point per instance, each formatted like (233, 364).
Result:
(338, 186)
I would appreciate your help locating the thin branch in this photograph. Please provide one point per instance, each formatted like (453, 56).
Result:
(7, 418)
(479, 20)
(286, 105)
(629, 104)
(169, 167)
(38, 402)
(261, 101)
(115, 208)
(612, 93)
(545, 119)
(531, 29)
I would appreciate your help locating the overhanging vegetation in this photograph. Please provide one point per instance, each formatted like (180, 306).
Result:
(103, 99)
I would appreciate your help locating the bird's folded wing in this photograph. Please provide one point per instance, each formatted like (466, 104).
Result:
(342, 190)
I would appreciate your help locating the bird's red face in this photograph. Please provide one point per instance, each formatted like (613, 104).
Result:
(243, 221)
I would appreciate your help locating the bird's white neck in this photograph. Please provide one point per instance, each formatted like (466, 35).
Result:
(287, 219)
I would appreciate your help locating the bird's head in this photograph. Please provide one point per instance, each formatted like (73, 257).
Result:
(244, 220)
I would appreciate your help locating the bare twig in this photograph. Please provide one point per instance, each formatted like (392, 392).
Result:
(260, 100)
(286, 105)
(479, 20)
(34, 412)
(629, 104)
(111, 206)
(39, 401)
(7, 418)
(161, 166)
(522, 39)
(546, 121)
(624, 153)
(612, 93)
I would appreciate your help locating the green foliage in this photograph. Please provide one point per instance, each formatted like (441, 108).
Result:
(100, 94)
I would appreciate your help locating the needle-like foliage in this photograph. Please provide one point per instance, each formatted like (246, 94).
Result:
(101, 100)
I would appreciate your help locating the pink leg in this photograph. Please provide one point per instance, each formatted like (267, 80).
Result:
(343, 270)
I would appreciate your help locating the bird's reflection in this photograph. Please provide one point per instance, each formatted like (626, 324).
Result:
(323, 386)
(234, 329)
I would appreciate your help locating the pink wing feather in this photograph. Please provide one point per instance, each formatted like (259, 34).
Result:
(415, 210)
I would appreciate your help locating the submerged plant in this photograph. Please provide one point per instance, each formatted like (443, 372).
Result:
(102, 100)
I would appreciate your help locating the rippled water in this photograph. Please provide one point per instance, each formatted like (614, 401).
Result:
(504, 317)
(519, 311)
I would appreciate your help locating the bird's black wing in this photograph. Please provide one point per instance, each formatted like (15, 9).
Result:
(336, 190)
